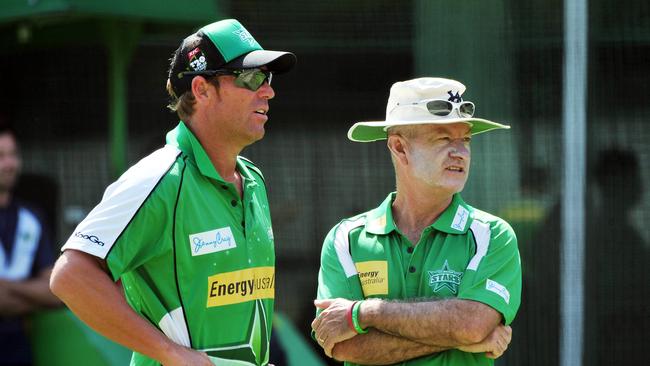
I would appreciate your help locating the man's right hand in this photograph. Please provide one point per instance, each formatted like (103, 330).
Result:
(331, 325)
(494, 345)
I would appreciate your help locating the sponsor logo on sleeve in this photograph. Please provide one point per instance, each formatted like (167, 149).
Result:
(498, 289)
(373, 276)
(241, 286)
(212, 241)
(92, 238)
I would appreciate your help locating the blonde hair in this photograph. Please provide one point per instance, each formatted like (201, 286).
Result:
(184, 105)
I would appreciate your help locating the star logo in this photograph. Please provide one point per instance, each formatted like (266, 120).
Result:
(244, 36)
(445, 278)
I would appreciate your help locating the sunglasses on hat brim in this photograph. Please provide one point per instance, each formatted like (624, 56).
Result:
(251, 79)
(442, 108)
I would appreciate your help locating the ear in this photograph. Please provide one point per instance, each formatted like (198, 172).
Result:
(200, 89)
(398, 147)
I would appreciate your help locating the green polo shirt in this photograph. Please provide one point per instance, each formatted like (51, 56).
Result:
(466, 253)
(194, 258)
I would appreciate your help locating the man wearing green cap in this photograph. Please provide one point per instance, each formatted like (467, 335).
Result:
(187, 229)
(425, 278)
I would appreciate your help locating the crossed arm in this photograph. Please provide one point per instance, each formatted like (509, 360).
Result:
(22, 297)
(406, 330)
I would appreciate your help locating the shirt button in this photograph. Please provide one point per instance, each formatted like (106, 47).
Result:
(233, 203)
(243, 224)
(224, 186)
(409, 249)
(411, 269)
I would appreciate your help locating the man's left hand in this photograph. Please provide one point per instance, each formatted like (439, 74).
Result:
(331, 326)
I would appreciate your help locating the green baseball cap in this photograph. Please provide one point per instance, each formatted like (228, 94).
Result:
(225, 44)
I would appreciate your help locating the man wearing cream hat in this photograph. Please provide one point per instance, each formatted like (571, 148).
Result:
(425, 278)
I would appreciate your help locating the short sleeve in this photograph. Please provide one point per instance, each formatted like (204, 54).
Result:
(333, 279)
(337, 276)
(136, 211)
(144, 237)
(493, 275)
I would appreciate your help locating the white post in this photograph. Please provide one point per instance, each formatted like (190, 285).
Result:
(573, 203)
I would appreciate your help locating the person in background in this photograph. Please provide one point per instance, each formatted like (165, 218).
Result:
(618, 281)
(26, 258)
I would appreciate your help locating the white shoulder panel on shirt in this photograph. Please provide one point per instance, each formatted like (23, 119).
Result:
(97, 233)
(342, 244)
(482, 235)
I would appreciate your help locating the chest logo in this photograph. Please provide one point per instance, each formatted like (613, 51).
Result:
(212, 241)
(445, 278)
(241, 286)
(373, 276)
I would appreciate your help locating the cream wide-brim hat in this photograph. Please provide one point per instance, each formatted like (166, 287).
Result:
(403, 109)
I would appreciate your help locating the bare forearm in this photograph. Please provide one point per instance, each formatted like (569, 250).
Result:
(378, 348)
(447, 323)
(11, 305)
(35, 292)
(91, 294)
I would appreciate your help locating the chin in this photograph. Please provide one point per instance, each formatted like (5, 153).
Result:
(454, 187)
(260, 135)
(254, 137)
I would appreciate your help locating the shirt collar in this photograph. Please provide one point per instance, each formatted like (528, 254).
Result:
(456, 219)
(380, 220)
(183, 138)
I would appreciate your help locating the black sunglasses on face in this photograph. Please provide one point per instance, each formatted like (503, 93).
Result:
(251, 79)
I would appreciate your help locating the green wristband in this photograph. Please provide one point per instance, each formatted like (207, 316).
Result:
(355, 318)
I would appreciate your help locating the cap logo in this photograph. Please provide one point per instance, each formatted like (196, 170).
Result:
(244, 36)
(198, 62)
(455, 98)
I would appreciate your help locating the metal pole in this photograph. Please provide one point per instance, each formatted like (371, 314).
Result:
(121, 40)
(573, 203)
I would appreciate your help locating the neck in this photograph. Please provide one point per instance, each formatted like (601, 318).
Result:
(224, 162)
(415, 209)
(5, 198)
(222, 153)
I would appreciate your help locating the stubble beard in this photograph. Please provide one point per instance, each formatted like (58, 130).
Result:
(423, 167)
(429, 171)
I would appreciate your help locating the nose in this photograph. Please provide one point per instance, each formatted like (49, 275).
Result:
(459, 150)
(266, 91)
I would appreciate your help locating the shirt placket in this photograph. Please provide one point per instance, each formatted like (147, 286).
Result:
(411, 258)
(249, 218)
